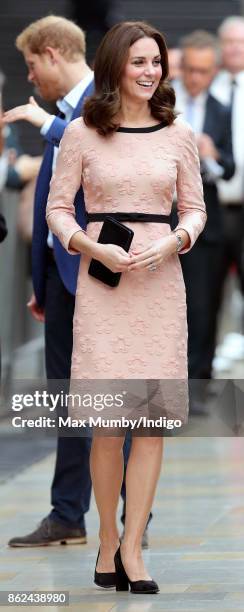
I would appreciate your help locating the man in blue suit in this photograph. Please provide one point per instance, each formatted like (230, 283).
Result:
(54, 51)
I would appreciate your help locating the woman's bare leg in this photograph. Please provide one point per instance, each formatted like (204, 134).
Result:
(107, 470)
(142, 474)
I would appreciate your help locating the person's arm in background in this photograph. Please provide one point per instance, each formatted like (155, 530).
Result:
(52, 128)
(25, 167)
(225, 149)
(35, 115)
(219, 151)
(31, 112)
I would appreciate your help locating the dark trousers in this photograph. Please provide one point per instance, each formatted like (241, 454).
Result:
(201, 271)
(205, 269)
(71, 486)
(232, 246)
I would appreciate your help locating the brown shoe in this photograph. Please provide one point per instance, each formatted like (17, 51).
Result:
(50, 533)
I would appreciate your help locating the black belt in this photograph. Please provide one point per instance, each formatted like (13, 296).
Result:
(127, 216)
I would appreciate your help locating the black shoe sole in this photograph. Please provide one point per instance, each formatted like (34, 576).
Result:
(62, 542)
(145, 592)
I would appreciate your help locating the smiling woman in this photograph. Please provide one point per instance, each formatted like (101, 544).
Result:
(129, 154)
(142, 73)
(136, 72)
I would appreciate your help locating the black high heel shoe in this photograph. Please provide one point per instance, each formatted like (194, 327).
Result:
(104, 579)
(137, 586)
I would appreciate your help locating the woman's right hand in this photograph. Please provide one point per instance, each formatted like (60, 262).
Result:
(113, 257)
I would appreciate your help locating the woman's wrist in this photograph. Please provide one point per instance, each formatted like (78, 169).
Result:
(171, 244)
(179, 242)
(181, 239)
(81, 243)
(176, 241)
(96, 250)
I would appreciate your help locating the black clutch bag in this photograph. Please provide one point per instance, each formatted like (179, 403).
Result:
(112, 232)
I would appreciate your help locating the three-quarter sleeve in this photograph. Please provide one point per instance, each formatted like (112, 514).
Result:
(65, 182)
(190, 203)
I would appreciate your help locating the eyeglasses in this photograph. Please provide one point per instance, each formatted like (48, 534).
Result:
(202, 71)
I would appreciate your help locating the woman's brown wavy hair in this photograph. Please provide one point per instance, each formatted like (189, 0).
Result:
(101, 108)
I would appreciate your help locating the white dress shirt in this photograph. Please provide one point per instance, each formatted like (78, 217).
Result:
(193, 110)
(184, 102)
(67, 106)
(232, 192)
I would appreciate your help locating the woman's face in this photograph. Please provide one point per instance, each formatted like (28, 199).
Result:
(142, 72)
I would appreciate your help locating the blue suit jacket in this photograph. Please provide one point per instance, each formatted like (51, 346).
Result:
(68, 265)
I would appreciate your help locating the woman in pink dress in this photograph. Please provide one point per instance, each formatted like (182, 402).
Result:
(129, 153)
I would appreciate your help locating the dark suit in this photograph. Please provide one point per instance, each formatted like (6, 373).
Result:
(54, 274)
(201, 265)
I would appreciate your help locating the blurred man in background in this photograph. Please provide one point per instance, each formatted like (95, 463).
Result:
(54, 51)
(228, 87)
(211, 122)
(175, 61)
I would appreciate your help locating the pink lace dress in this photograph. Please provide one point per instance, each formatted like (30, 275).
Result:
(137, 330)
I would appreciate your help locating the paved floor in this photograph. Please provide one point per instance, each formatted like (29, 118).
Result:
(197, 536)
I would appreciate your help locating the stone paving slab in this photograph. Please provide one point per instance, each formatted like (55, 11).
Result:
(197, 536)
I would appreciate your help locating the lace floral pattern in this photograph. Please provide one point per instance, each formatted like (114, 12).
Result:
(138, 329)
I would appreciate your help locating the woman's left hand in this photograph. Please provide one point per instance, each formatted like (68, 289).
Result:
(154, 255)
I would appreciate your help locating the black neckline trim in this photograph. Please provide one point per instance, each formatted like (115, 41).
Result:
(151, 128)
